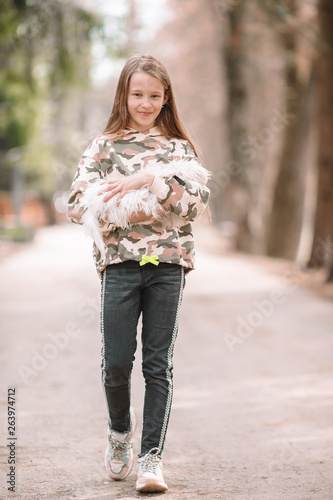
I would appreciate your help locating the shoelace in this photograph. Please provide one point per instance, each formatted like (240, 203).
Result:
(151, 461)
(119, 449)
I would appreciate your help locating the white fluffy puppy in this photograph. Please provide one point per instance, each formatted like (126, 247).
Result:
(141, 200)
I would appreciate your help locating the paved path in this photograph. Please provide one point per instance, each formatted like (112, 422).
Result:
(253, 405)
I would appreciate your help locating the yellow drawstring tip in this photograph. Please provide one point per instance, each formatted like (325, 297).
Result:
(153, 259)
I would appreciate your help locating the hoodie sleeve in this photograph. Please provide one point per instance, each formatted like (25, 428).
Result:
(185, 199)
(88, 171)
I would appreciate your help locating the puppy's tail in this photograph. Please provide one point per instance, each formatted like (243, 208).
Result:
(92, 228)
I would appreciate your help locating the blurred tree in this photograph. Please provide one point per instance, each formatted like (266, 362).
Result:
(322, 247)
(44, 53)
(237, 192)
(285, 221)
(268, 116)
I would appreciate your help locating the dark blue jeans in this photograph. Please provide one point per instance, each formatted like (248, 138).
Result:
(128, 290)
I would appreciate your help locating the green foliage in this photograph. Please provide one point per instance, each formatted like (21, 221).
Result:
(39, 171)
(18, 113)
(18, 233)
(8, 20)
(44, 54)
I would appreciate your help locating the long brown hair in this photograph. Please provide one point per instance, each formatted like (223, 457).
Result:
(168, 120)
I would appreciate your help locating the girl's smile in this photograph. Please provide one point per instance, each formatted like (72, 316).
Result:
(145, 100)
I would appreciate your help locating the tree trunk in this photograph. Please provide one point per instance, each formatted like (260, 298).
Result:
(321, 254)
(237, 191)
(285, 221)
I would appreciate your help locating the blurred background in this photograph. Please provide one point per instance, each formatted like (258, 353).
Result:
(254, 85)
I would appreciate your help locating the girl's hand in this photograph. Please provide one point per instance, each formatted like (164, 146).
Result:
(125, 184)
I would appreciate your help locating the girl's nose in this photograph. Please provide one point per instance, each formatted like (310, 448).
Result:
(145, 103)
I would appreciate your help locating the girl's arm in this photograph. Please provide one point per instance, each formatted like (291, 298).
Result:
(124, 185)
(88, 171)
(183, 198)
(80, 183)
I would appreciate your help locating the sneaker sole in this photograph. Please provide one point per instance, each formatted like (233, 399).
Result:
(150, 486)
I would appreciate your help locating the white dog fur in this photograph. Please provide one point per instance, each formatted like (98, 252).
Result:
(98, 211)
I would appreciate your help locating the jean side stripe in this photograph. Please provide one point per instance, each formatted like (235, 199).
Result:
(103, 339)
(168, 370)
(102, 318)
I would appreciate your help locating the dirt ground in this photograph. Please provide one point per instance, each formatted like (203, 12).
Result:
(252, 416)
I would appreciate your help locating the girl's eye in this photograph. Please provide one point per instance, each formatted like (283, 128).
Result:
(154, 96)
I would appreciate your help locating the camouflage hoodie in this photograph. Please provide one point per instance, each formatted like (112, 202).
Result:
(127, 152)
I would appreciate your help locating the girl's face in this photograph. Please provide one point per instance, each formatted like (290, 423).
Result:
(144, 101)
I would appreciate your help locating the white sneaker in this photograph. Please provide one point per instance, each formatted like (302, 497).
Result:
(150, 476)
(119, 452)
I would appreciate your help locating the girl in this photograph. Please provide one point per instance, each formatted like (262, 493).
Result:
(143, 262)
